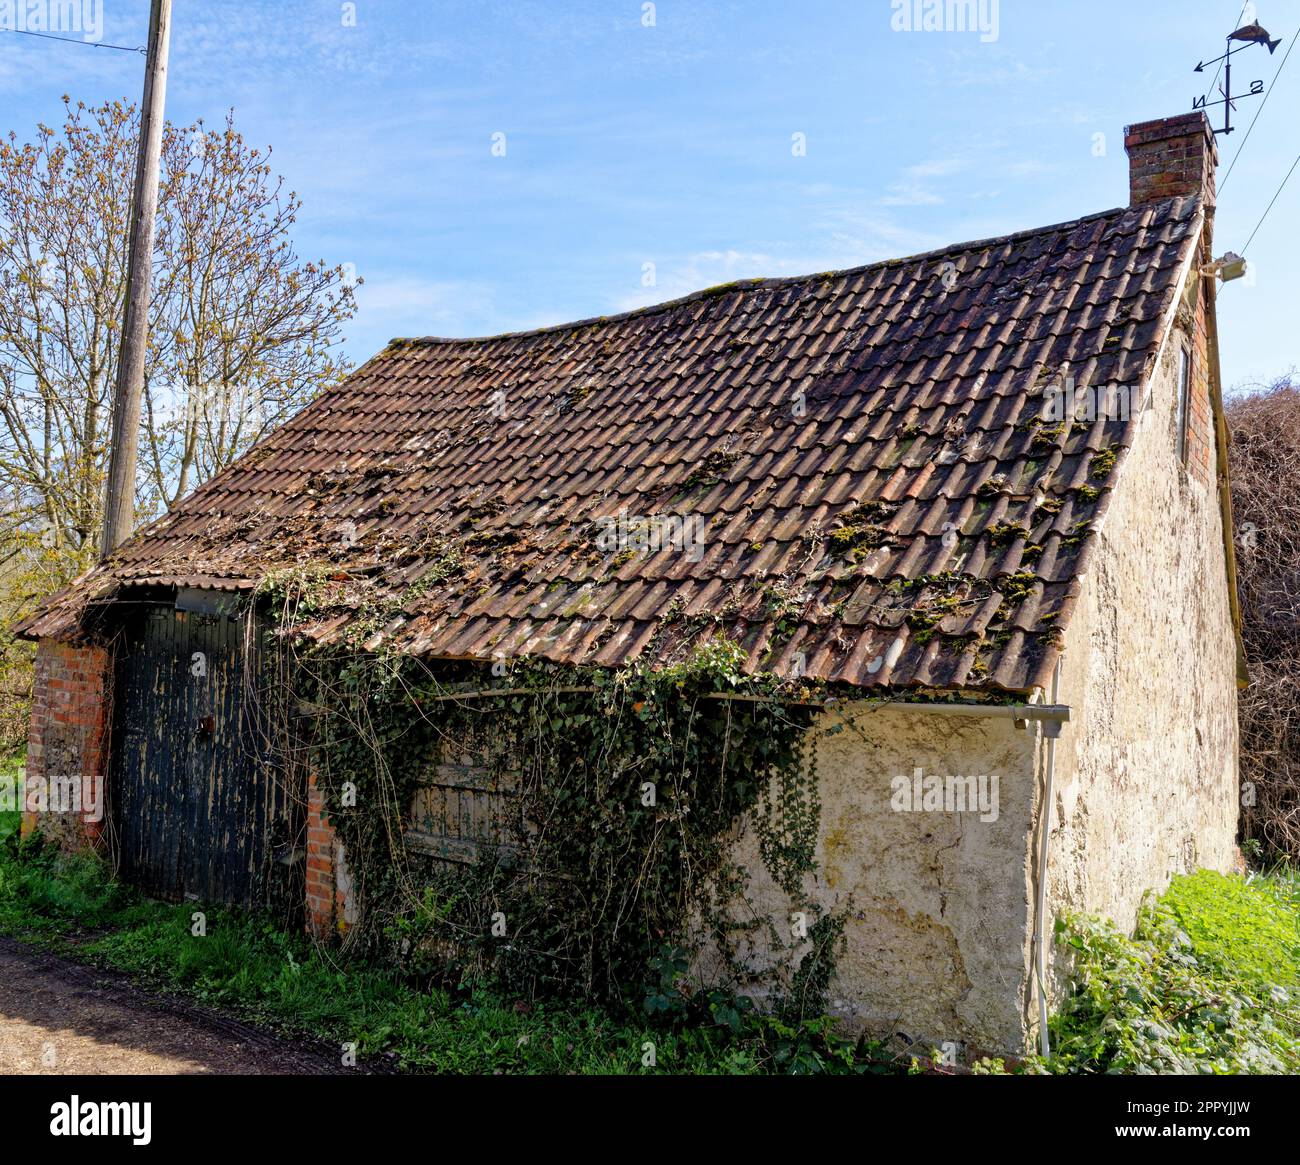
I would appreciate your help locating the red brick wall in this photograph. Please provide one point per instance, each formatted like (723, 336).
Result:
(68, 735)
(329, 888)
(1200, 447)
(1171, 156)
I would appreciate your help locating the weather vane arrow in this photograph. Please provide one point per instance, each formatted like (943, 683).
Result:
(1250, 34)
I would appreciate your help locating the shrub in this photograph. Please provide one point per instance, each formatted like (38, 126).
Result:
(1209, 983)
(1264, 466)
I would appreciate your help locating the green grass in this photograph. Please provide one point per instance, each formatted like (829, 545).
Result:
(11, 783)
(1210, 982)
(1246, 931)
(256, 970)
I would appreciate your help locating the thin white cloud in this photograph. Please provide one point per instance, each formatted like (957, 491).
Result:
(850, 238)
(391, 305)
(675, 278)
(917, 185)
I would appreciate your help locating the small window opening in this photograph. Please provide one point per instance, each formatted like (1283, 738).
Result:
(1184, 393)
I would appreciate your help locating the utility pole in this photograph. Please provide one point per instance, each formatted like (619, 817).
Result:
(119, 504)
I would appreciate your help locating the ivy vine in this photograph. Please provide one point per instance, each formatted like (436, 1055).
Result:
(613, 840)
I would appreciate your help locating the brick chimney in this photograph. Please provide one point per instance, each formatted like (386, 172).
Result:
(1170, 157)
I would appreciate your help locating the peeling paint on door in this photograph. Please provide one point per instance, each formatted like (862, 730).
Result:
(198, 808)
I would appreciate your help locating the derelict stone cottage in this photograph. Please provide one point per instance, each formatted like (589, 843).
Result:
(972, 504)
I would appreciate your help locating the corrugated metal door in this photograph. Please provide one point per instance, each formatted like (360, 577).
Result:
(199, 809)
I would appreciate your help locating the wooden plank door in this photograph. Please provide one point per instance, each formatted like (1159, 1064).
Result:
(199, 808)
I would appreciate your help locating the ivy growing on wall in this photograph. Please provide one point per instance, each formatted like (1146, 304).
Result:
(626, 793)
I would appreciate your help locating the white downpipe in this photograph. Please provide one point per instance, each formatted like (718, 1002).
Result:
(1051, 729)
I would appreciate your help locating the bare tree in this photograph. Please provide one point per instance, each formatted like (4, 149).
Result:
(243, 332)
(1264, 469)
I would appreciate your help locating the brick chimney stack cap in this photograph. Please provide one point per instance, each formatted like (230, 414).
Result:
(1171, 157)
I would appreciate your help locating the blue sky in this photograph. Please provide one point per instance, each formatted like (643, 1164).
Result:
(673, 144)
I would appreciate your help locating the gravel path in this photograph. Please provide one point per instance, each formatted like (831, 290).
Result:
(58, 1017)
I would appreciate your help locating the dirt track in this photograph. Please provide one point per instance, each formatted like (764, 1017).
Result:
(58, 1018)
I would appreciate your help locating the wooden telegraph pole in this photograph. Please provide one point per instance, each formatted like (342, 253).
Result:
(119, 507)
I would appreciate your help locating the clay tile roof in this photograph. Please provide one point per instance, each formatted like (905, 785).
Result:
(845, 472)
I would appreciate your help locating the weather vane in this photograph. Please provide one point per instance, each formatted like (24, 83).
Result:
(1251, 34)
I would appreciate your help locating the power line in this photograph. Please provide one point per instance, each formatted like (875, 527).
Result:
(94, 44)
(1270, 205)
(1259, 111)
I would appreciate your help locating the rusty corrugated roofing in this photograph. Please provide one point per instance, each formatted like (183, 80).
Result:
(857, 447)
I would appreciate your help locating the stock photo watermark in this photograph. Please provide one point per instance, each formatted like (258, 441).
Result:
(953, 793)
(679, 533)
(82, 795)
(978, 16)
(84, 18)
(102, 1118)
(1088, 402)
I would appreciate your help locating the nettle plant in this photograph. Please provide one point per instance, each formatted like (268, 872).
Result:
(614, 855)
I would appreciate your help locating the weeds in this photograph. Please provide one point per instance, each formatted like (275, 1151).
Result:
(1208, 983)
(250, 967)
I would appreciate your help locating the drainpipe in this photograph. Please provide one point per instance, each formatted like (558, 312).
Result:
(1051, 730)
(1022, 714)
